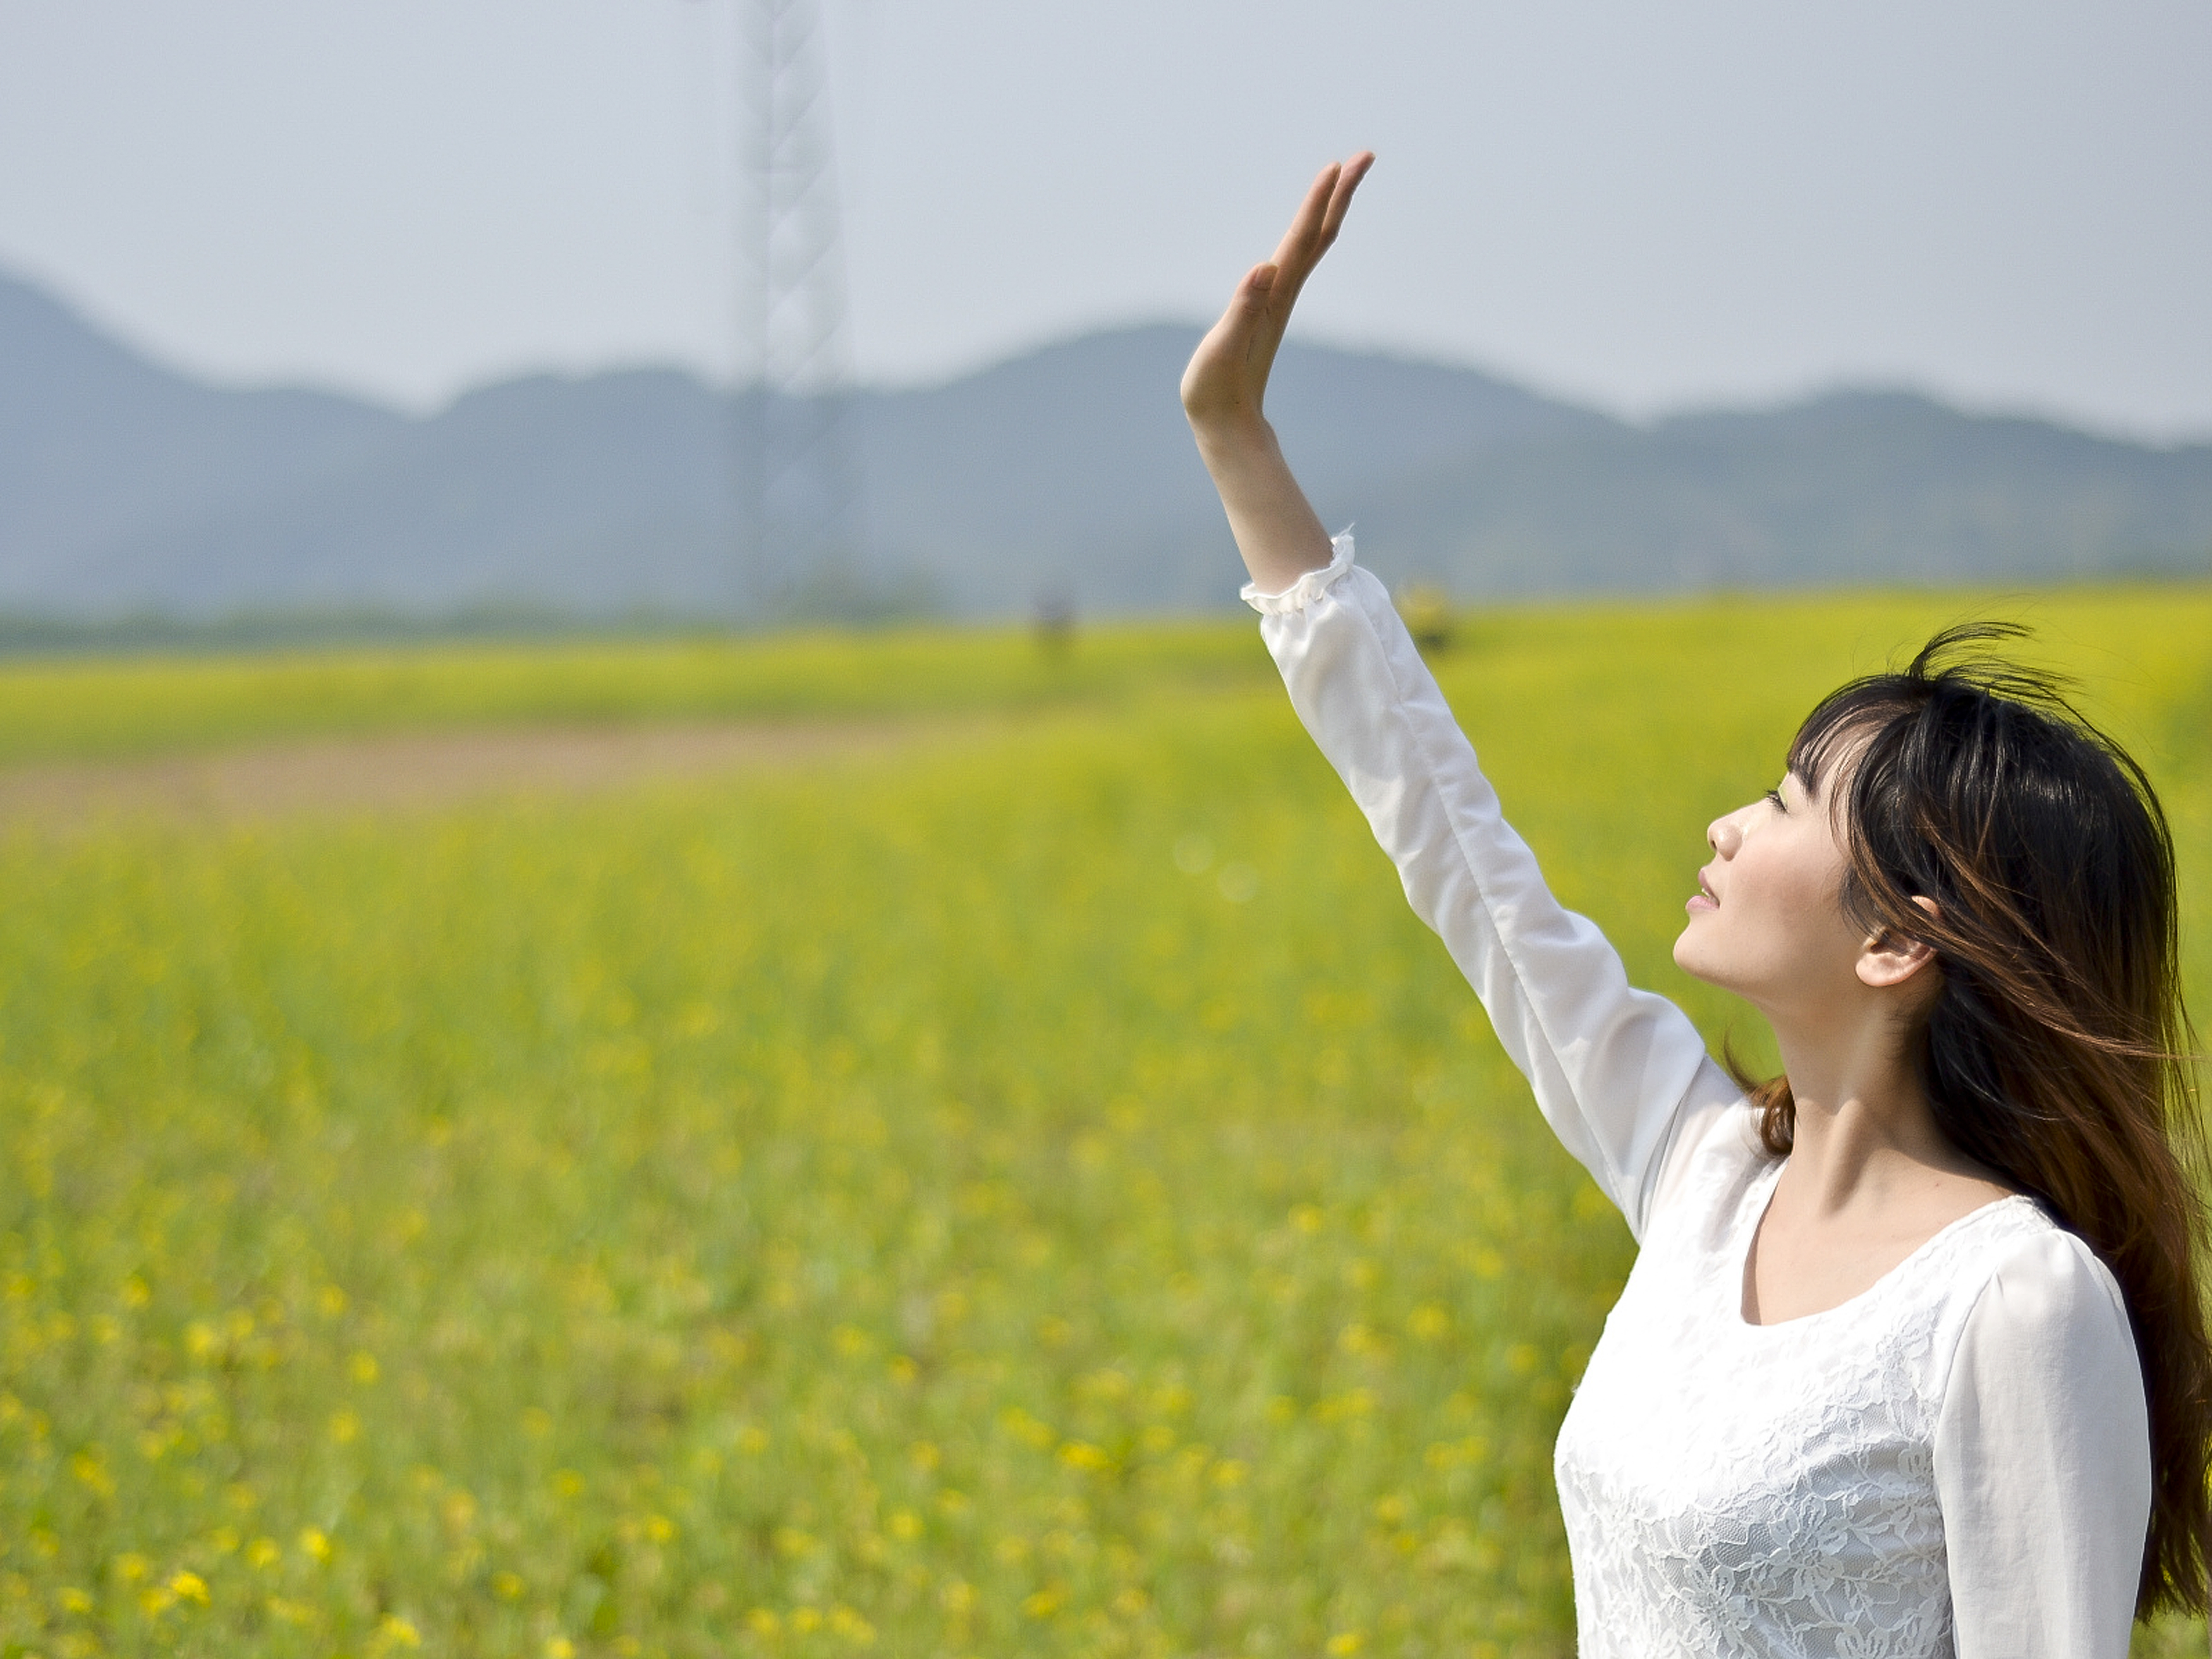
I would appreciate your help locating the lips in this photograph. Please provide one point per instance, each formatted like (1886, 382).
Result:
(1704, 898)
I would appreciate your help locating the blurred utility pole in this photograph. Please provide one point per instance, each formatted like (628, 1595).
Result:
(798, 482)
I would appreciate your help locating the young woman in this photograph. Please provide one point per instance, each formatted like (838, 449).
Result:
(1912, 1360)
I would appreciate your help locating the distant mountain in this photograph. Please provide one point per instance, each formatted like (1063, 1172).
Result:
(99, 446)
(126, 488)
(1851, 487)
(1072, 469)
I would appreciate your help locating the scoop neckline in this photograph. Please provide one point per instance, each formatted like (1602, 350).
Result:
(1740, 1255)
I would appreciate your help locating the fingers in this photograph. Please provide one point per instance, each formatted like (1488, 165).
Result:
(1301, 245)
(1340, 196)
(1250, 320)
(1318, 218)
(1248, 306)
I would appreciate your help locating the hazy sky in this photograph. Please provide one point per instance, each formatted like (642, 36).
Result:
(1645, 205)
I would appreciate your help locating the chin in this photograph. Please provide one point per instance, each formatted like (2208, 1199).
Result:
(1686, 952)
(1695, 957)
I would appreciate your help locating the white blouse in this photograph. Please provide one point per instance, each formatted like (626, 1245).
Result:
(1956, 1461)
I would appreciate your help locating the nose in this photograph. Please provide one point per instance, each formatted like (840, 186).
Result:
(1724, 836)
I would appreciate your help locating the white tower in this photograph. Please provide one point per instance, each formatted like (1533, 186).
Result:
(798, 487)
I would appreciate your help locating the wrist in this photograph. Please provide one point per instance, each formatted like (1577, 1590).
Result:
(1233, 433)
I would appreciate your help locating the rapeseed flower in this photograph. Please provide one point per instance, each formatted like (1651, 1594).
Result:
(831, 1206)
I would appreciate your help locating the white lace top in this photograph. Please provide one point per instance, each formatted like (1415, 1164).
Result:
(1955, 1462)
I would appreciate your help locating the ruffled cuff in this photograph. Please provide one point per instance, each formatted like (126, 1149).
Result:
(1307, 589)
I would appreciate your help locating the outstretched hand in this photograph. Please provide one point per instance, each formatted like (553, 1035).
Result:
(1227, 378)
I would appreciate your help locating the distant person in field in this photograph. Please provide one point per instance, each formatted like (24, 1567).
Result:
(1914, 1359)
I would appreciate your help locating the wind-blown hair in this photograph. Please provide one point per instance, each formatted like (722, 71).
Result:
(2057, 1050)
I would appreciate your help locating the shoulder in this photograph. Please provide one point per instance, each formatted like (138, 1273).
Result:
(2035, 1303)
(2040, 1281)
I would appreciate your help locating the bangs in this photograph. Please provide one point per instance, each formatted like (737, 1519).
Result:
(1858, 713)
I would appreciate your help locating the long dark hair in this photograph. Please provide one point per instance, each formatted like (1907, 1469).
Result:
(2057, 1050)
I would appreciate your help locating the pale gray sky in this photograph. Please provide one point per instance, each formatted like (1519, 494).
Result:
(1643, 204)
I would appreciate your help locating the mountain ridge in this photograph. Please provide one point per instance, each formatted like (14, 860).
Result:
(128, 487)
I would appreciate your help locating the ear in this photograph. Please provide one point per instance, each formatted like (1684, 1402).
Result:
(1891, 958)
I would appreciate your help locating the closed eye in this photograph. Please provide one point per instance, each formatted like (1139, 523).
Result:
(1774, 797)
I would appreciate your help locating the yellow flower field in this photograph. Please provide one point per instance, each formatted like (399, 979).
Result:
(1040, 1193)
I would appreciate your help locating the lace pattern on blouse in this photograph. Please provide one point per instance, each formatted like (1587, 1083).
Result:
(1735, 1489)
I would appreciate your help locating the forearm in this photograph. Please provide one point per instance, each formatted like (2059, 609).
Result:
(1276, 528)
(1613, 1068)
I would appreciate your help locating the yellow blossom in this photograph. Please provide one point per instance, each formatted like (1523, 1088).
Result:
(92, 1470)
(844, 1622)
(1044, 1603)
(1082, 1455)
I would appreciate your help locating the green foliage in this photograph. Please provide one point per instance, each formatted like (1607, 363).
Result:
(79, 707)
(1044, 1196)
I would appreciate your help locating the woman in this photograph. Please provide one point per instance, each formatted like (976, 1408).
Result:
(1912, 1360)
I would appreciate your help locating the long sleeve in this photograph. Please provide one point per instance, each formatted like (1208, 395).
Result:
(1615, 1071)
(2043, 1462)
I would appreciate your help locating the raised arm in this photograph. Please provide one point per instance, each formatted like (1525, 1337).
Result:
(1621, 1075)
(1226, 385)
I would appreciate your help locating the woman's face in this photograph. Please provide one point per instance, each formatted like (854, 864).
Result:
(1766, 922)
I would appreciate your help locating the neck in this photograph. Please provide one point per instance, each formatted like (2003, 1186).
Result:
(1864, 1124)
